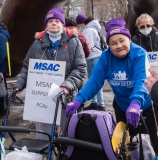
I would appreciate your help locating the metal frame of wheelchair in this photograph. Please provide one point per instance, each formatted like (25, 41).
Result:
(33, 145)
(46, 146)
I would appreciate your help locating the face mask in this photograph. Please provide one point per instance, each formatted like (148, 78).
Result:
(56, 34)
(145, 32)
(81, 29)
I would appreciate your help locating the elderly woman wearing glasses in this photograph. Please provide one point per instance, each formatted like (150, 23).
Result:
(146, 35)
(147, 38)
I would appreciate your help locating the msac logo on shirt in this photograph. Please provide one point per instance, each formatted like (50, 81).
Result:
(120, 79)
(46, 66)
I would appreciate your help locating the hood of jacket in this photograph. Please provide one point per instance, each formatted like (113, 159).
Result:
(94, 24)
(5, 32)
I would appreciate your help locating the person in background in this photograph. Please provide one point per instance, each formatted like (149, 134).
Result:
(90, 29)
(123, 64)
(71, 24)
(147, 38)
(4, 37)
(57, 45)
(146, 35)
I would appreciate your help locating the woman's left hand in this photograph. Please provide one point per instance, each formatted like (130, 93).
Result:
(65, 90)
(151, 79)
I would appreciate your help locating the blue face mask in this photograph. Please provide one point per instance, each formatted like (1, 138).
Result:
(56, 34)
(81, 29)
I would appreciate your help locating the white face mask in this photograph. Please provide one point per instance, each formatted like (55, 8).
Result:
(145, 32)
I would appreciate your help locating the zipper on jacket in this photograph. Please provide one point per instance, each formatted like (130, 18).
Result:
(151, 44)
(43, 53)
(55, 54)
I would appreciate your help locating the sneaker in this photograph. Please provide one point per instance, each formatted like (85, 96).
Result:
(100, 108)
(91, 106)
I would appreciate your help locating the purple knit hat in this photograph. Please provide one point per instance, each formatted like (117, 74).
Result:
(116, 26)
(81, 18)
(55, 13)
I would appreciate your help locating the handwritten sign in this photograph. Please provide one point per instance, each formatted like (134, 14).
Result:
(42, 74)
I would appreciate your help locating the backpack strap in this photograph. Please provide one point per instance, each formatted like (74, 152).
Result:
(105, 133)
(71, 133)
(101, 121)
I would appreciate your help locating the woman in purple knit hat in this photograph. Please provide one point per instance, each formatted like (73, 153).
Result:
(123, 64)
(57, 45)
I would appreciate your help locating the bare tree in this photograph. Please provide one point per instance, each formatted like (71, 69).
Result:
(105, 9)
(75, 7)
(89, 7)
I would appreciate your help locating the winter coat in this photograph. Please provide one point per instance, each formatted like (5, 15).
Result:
(83, 40)
(149, 42)
(4, 37)
(91, 32)
(70, 50)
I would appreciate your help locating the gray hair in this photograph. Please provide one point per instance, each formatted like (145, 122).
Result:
(145, 15)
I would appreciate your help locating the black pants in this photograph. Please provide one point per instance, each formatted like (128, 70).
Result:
(149, 120)
(156, 111)
(2, 108)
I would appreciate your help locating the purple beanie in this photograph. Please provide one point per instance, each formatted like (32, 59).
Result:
(55, 13)
(116, 26)
(81, 18)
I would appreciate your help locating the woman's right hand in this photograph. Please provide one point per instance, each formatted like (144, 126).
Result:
(72, 106)
(18, 91)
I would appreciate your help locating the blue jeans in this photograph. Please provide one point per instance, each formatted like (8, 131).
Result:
(98, 98)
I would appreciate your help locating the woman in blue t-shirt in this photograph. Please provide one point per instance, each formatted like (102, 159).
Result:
(124, 65)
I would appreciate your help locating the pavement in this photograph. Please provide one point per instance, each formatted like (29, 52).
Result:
(16, 111)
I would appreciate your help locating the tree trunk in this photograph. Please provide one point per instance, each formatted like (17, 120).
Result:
(89, 8)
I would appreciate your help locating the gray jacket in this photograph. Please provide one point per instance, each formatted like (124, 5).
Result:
(70, 50)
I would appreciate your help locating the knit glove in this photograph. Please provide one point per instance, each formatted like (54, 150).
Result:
(72, 106)
(133, 114)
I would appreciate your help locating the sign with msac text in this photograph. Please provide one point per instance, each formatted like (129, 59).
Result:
(153, 56)
(39, 107)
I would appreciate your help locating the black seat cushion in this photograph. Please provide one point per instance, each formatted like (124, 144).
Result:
(33, 145)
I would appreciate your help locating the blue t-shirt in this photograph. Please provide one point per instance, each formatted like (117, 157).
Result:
(125, 75)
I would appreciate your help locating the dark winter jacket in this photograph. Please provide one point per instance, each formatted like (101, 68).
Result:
(83, 40)
(70, 50)
(149, 42)
(4, 37)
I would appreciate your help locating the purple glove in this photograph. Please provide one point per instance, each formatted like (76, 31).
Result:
(72, 106)
(133, 114)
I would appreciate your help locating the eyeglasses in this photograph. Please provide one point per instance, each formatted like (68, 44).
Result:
(145, 26)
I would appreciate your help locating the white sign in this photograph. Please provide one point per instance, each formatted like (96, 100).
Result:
(147, 66)
(41, 75)
(153, 56)
(153, 59)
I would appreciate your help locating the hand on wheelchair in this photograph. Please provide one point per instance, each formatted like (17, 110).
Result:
(133, 114)
(13, 95)
(72, 106)
(18, 91)
(65, 90)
